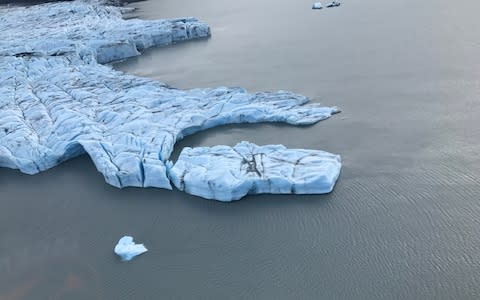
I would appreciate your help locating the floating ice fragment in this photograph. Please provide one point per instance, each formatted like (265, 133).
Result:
(127, 249)
(333, 4)
(225, 173)
(317, 5)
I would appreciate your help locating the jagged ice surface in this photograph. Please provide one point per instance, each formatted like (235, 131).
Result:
(57, 101)
(55, 108)
(228, 173)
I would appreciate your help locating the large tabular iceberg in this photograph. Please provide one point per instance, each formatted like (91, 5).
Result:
(225, 173)
(57, 101)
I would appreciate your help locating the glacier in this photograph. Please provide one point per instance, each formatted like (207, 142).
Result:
(59, 100)
(90, 29)
(229, 173)
(127, 249)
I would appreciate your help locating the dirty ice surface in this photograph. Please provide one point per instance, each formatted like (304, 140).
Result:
(229, 173)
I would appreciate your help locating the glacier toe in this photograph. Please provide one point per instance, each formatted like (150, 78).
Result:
(58, 101)
(229, 173)
(55, 108)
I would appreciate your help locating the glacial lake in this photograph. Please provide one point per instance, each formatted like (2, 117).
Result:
(402, 222)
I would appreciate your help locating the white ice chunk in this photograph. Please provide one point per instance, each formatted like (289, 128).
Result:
(127, 249)
(55, 108)
(225, 173)
(317, 5)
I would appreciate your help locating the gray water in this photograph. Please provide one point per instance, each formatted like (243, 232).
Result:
(402, 223)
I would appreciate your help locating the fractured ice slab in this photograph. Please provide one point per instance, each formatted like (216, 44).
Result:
(55, 108)
(90, 29)
(225, 173)
(334, 3)
(127, 249)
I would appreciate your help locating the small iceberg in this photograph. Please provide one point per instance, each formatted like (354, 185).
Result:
(317, 5)
(333, 4)
(127, 249)
(228, 173)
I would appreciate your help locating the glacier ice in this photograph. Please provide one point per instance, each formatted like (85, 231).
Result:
(127, 249)
(90, 29)
(55, 108)
(58, 101)
(228, 173)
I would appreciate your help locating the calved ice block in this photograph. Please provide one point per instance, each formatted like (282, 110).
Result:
(229, 173)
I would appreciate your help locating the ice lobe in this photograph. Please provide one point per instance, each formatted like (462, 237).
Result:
(55, 108)
(225, 173)
(127, 249)
(89, 29)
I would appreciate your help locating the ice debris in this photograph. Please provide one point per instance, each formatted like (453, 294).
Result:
(333, 4)
(127, 249)
(228, 173)
(318, 5)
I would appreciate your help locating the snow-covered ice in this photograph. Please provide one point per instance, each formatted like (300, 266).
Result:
(57, 101)
(127, 249)
(317, 5)
(228, 173)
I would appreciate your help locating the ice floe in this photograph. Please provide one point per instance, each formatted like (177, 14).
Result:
(333, 4)
(228, 173)
(127, 249)
(55, 108)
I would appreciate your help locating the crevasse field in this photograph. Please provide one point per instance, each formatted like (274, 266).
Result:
(58, 102)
